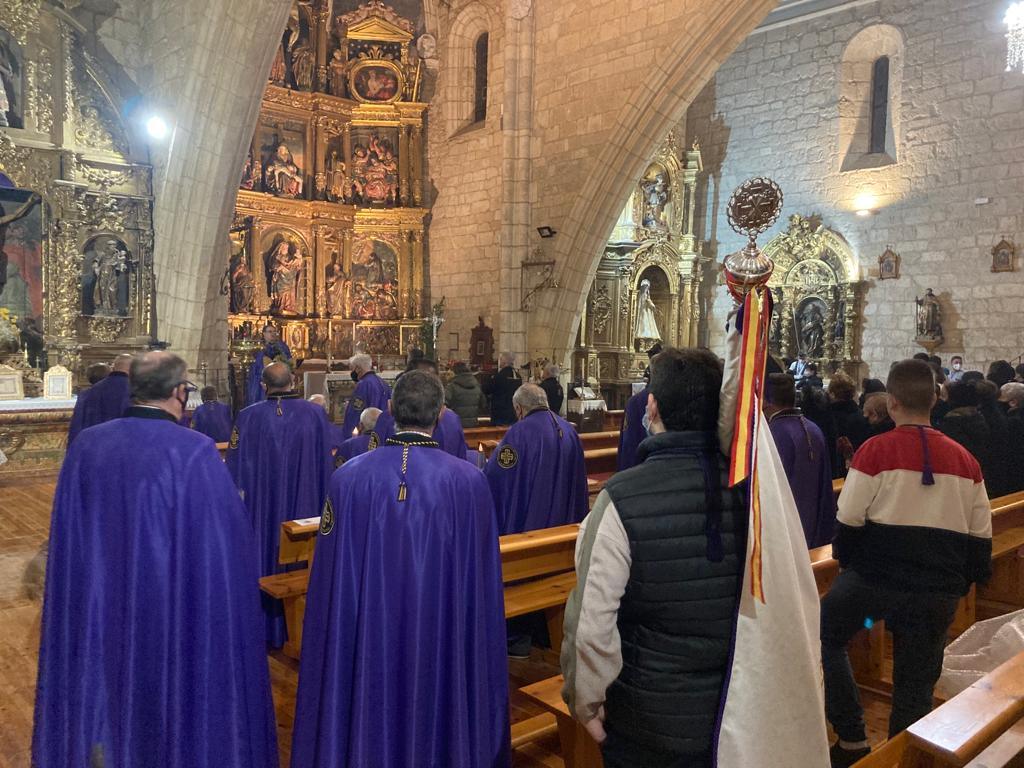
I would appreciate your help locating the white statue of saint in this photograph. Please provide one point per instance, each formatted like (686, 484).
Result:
(646, 321)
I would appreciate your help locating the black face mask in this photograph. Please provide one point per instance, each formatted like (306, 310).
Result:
(354, 375)
(184, 403)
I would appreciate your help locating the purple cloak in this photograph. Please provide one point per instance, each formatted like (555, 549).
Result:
(632, 432)
(280, 457)
(152, 654)
(354, 446)
(272, 353)
(213, 419)
(403, 650)
(537, 474)
(805, 457)
(105, 400)
(371, 392)
(447, 433)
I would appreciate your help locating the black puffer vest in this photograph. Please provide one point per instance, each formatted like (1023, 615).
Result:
(687, 539)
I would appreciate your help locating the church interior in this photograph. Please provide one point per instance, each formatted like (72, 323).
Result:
(547, 191)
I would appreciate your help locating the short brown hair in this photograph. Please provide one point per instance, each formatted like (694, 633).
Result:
(780, 390)
(841, 387)
(912, 384)
(685, 384)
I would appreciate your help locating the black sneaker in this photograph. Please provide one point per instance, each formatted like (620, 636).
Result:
(519, 646)
(844, 758)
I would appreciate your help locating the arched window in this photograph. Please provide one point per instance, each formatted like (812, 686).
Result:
(879, 105)
(480, 82)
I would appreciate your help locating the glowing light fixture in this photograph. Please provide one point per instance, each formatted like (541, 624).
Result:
(865, 204)
(1014, 21)
(157, 128)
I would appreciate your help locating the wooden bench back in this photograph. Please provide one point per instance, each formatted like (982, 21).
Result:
(538, 553)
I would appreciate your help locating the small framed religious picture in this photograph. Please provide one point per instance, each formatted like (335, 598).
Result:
(1003, 256)
(57, 383)
(11, 387)
(889, 265)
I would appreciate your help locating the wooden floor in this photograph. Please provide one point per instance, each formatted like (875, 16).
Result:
(24, 526)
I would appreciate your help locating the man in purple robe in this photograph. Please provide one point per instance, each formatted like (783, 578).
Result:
(212, 418)
(280, 457)
(360, 444)
(105, 400)
(151, 653)
(274, 351)
(403, 649)
(537, 473)
(371, 392)
(447, 433)
(805, 457)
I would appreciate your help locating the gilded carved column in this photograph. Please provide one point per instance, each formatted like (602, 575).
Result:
(406, 272)
(346, 148)
(417, 165)
(346, 251)
(403, 164)
(417, 274)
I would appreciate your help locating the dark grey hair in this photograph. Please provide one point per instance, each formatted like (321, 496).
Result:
(154, 375)
(417, 400)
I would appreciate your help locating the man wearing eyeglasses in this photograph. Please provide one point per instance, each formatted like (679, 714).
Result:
(152, 649)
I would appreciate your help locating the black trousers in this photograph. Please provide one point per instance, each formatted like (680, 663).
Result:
(621, 752)
(918, 621)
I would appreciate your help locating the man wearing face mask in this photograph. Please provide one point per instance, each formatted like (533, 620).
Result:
(958, 369)
(150, 587)
(280, 456)
(371, 392)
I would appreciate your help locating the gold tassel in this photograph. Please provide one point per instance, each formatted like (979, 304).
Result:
(279, 411)
(403, 491)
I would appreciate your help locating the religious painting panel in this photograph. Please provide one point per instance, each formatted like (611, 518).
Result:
(374, 281)
(12, 88)
(378, 82)
(21, 257)
(1003, 256)
(378, 339)
(283, 157)
(411, 337)
(284, 267)
(106, 276)
(297, 337)
(374, 165)
(241, 286)
(889, 265)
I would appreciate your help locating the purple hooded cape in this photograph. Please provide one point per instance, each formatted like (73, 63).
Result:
(403, 651)
(354, 446)
(280, 457)
(447, 433)
(805, 457)
(213, 419)
(275, 352)
(105, 400)
(152, 654)
(371, 392)
(632, 432)
(537, 474)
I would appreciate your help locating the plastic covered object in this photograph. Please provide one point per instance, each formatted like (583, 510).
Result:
(979, 651)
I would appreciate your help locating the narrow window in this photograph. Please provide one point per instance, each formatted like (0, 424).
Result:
(879, 105)
(480, 86)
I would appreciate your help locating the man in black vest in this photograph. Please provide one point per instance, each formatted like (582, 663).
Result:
(505, 383)
(659, 562)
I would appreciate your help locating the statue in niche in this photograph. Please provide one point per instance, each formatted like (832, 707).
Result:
(10, 90)
(811, 329)
(336, 179)
(656, 194)
(336, 73)
(243, 289)
(302, 65)
(929, 316)
(334, 284)
(283, 176)
(279, 67)
(105, 282)
(250, 171)
(284, 268)
(646, 315)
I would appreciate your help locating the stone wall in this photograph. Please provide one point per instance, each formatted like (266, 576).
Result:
(786, 105)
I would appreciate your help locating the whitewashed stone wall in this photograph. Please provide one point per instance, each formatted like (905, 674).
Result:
(774, 109)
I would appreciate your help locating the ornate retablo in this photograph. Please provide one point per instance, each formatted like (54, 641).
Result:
(753, 208)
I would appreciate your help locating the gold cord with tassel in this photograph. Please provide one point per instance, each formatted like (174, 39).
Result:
(403, 489)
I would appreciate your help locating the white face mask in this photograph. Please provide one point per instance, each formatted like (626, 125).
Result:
(957, 366)
(646, 421)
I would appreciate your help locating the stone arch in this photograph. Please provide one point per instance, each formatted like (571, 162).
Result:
(649, 111)
(459, 69)
(855, 80)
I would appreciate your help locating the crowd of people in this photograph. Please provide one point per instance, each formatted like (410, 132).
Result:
(154, 633)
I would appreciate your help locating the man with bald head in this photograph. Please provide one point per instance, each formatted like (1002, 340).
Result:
(151, 651)
(274, 351)
(537, 474)
(371, 392)
(105, 400)
(212, 418)
(359, 444)
(280, 457)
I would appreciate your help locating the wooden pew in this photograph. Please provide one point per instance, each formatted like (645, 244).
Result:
(983, 726)
(613, 420)
(223, 448)
(588, 440)
(579, 750)
(538, 569)
(476, 435)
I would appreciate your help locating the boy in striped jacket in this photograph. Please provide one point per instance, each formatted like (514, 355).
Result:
(915, 531)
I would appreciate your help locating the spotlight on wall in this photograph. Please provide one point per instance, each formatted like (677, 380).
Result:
(865, 204)
(546, 232)
(157, 128)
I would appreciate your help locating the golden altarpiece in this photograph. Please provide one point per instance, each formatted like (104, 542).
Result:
(327, 239)
(647, 287)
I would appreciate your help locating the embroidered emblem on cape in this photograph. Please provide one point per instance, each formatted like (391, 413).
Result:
(327, 519)
(358, 403)
(507, 457)
(233, 442)
(374, 442)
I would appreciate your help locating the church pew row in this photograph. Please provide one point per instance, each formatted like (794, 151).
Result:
(538, 571)
(589, 441)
